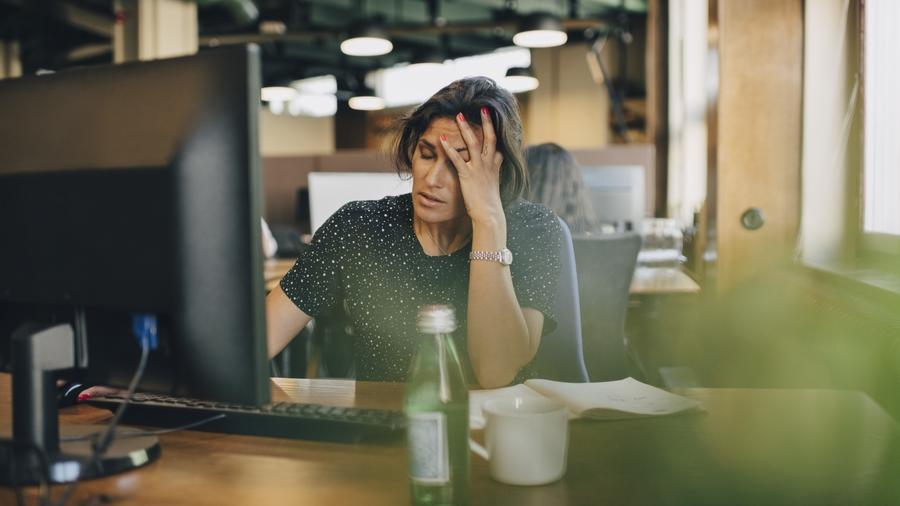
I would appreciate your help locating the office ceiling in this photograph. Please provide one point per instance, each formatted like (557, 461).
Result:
(301, 38)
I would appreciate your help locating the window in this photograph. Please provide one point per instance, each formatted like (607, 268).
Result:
(413, 84)
(850, 223)
(881, 113)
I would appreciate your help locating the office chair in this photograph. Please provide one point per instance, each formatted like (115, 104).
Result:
(332, 343)
(605, 267)
(559, 356)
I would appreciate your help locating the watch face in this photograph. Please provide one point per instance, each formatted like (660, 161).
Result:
(506, 257)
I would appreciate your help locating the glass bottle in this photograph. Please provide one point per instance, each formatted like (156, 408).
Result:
(437, 412)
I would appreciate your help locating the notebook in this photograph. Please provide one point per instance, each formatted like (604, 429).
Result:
(609, 400)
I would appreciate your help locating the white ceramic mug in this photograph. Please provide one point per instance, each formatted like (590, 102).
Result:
(527, 439)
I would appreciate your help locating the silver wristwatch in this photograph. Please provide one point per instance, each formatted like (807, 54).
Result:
(503, 256)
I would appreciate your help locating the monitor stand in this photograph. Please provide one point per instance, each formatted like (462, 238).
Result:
(38, 454)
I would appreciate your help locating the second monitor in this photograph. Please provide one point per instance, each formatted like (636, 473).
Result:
(329, 191)
(617, 194)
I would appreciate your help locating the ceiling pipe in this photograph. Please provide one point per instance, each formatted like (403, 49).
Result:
(397, 31)
(88, 51)
(86, 20)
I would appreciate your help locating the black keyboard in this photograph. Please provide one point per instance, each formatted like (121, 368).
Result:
(279, 419)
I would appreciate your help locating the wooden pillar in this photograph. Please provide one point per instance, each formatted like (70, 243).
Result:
(759, 134)
(657, 70)
(10, 61)
(568, 107)
(349, 128)
(151, 29)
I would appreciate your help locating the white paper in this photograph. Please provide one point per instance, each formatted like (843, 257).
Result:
(609, 400)
(613, 399)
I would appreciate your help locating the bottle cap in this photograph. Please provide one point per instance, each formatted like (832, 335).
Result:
(436, 319)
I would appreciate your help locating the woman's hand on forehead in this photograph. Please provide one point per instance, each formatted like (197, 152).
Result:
(479, 177)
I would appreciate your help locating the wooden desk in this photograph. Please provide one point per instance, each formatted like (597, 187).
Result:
(751, 447)
(646, 280)
(661, 281)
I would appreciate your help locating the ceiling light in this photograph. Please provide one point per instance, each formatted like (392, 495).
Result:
(277, 93)
(368, 39)
(519, 79)
(540, 30)
(366, 103)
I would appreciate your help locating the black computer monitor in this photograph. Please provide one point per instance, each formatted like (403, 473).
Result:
(134, 189)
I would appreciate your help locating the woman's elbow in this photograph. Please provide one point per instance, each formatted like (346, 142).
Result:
(499, 373)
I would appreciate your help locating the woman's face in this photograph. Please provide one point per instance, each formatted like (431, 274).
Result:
(436, 193)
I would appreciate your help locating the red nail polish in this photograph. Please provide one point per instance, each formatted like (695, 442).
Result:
(83, 396)
(460, 117)
(443, 137)
(484, 111)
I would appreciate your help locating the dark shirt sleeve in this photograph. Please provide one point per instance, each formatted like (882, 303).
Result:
(534, 239)
(313, 283)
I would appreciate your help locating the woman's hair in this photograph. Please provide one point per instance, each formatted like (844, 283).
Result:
(555, 181)
(468, 96)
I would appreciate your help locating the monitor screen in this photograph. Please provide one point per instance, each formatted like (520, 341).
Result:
(329, 191)
(131, 189)
(617, 194)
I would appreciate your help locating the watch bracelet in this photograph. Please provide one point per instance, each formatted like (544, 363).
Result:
(493, 256)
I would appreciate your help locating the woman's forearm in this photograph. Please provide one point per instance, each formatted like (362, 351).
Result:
(284, 320)
(499, 339)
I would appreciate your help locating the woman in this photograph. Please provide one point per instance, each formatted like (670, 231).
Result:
(555, 181)
(384, 259)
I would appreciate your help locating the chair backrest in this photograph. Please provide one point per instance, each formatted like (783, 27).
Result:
(560, 354)
(605, 267)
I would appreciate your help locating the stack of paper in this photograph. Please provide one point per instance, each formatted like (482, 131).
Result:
(610, 400)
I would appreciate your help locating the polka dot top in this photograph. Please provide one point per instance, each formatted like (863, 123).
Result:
(367, 257)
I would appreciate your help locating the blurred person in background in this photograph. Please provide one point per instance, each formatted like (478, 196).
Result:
(555, 180)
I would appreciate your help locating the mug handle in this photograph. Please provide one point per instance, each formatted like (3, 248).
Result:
(479, 450)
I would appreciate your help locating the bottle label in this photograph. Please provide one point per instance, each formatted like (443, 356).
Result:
(429, 460)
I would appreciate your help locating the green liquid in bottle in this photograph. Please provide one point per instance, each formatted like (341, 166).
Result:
(437, 409)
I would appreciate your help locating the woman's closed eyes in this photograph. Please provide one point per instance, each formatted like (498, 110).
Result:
(427, 152)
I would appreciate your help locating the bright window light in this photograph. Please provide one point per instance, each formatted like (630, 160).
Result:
(276, 106)
(277, 93)
(317, 106)
(319, 85)
(427, 66)
(411, 84)
(314, 96)
(881, 213)
(519, 84)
